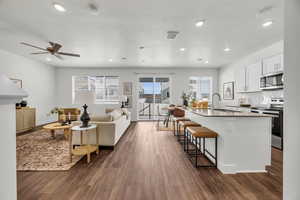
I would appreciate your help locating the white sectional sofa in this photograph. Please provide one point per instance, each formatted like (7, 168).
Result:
(111, 127)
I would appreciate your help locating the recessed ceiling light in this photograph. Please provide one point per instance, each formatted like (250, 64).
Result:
(59, 7)
(227, 49)
(142, 47)
(199, 59)
(182, 49)
(48, 59)
(200, 23)
(110, 60)
(267, 23)
(124, 58)
(171, 35)
(206, 62)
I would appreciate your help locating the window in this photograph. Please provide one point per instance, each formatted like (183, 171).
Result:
(106, 87)
(201, 87)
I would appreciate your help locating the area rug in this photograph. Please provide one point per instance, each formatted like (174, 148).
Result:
(162, 127)
(38, 151)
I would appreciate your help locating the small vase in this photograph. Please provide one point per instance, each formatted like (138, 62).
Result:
(185, 103)
(23, 103)
(85, 118)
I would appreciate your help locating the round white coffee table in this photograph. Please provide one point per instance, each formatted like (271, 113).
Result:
(84, 149)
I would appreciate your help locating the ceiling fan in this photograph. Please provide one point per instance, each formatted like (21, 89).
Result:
(53, 50)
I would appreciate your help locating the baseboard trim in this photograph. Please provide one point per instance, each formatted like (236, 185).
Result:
(106, 147)
(36, 128)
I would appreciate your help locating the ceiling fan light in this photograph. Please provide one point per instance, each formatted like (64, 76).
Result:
(59, 7)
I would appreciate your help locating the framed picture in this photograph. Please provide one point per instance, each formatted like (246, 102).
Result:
(127, 88)
(228, 91)
(18, 82)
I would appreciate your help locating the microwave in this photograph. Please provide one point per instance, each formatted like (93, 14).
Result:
(272, 82)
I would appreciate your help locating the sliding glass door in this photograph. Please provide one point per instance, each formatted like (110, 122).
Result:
(153, 96)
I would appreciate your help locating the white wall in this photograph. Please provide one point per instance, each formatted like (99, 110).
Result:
(227, 73)
(38, 80)
(180, 80)
(291, 157)
(8, 180)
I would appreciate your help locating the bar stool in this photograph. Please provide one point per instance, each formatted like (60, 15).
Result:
(178, 115)
(185, 124)
(199, 133)
(176, 121)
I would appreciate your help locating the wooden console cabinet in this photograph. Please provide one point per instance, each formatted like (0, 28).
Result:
(25, 119)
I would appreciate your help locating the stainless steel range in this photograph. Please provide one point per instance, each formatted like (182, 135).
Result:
(276, 110)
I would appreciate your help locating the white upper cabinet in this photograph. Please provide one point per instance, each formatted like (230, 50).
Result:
(273, 64)
(247, 79)
(253, 74)
(240, 80)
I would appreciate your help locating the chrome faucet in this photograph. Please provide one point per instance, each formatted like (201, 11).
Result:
(212, 104)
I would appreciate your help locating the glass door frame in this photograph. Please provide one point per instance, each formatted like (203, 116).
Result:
(154, 76)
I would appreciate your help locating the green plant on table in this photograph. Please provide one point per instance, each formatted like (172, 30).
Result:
(55, 110)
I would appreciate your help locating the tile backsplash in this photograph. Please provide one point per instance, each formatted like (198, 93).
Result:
(255, 99)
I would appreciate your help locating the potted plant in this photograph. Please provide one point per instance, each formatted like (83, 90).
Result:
(60, 113)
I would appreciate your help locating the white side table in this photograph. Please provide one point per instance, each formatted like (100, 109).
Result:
(84, 149)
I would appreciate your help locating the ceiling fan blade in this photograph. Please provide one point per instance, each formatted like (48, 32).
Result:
(56, 47)
(52, 44)
(58, 56)
(68, 54)
(30, 45)
(43, 52)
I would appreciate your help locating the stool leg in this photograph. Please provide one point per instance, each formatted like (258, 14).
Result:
(184, 142)
(174, 128)
(196, 156)
(204, 149)
(200, 145)
(216, 152)
(187, 141)
(178, 130)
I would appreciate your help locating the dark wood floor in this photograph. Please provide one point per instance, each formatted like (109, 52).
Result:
(149, 165)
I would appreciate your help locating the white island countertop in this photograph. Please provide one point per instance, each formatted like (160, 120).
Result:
(224, 113)
(244, 141)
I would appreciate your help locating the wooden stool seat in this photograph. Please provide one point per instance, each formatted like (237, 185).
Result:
(186, 124)
(178, 119)
(201, 132)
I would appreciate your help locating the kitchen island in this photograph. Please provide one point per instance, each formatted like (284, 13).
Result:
(244, 142)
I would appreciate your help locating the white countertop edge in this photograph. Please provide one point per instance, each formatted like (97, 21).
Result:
(230, 115)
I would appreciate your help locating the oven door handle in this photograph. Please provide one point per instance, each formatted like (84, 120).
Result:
(273, 114)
